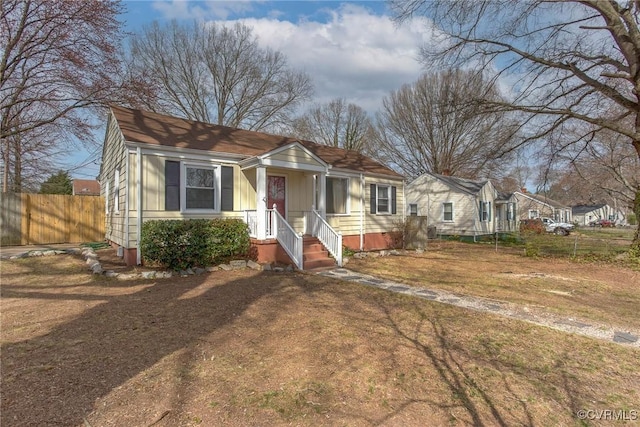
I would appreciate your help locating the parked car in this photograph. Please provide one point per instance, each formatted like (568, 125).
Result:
(605, 223)
(559, 228)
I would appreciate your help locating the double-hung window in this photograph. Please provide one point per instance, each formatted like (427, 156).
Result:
(447, 211)
(485, 211)
(337, 201)
(533, 213)
(200, 187)
(383, 199)
(203, 187)
(511, 211)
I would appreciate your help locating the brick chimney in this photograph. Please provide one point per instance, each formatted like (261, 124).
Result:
(446, 172)
(523, 190)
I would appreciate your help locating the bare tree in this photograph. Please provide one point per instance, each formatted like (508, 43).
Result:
(58, 58)
(568, 60)
(216, 74)
(433, 126)
(604, 170)
(336, 123)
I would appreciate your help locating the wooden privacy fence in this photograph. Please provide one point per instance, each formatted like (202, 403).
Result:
(30, 219)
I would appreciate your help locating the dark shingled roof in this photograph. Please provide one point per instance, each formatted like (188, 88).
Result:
(465, 185)
(158, 129)
(583, 209)
(544, 199)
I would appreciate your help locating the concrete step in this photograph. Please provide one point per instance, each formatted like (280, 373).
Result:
(319, 263)
(313, 247)
(315, 255)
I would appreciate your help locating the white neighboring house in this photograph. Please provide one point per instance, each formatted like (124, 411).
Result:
(538, 206)
(584, 215)
(462, 207)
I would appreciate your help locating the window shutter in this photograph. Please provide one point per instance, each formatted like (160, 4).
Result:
(393, 200)
(480, 209)
(226, 203)
(171, 185)
(373, 197)
(489, 211)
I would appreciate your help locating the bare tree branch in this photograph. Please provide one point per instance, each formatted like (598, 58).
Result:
(215, 74)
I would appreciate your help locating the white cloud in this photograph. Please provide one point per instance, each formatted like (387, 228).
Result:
(185, 10)
(354, 54)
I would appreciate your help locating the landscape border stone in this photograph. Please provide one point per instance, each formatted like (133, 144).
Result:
(93, 264)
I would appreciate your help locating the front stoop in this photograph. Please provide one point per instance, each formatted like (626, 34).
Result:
(314, 255)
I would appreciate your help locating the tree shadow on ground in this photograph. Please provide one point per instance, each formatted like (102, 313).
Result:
(55, 378)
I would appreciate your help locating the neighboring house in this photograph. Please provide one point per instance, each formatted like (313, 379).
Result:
(586, 214)
(86, 187)
(463, 207)
(161, 167)
(537, 206)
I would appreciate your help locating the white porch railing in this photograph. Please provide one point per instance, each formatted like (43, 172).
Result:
(288, 238)
(251, 218)
(330, 238)
(277, 227)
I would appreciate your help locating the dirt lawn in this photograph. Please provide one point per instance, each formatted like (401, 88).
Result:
(249, 348)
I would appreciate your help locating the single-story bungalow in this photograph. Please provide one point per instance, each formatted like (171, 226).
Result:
(537, 206)
(461, 207)
(156, 166)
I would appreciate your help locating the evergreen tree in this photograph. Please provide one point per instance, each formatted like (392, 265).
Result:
(59, 183)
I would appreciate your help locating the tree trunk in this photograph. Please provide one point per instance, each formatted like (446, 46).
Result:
(17, 167)
(5, 171)
(635, 244)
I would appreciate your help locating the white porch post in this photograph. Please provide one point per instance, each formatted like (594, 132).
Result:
(261, 202)
(322, 202)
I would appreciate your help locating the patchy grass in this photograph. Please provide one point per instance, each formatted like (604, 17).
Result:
(582, 245)
(600, 291)
(248, 348)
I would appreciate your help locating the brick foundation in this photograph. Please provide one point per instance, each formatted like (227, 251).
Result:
(269, 251)
(372, 241)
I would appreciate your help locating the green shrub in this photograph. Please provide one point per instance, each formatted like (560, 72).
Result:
(230, 238)
(181, 244)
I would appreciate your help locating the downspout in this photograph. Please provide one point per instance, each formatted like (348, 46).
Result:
(362, 187)
(139, 203)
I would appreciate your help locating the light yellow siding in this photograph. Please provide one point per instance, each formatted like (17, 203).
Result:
(295, 156)
(114, 158)
(381, 223)
(299, 194)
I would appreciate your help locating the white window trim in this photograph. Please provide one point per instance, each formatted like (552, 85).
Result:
(217, 185)
(486, 207)
(409, 210)
(348, 207)
(537, 213)
(116, 191)
(106, 197)
(388, 187)
(511, 211)
(453, 212)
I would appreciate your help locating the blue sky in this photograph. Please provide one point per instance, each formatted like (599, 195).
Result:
(351, 50)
